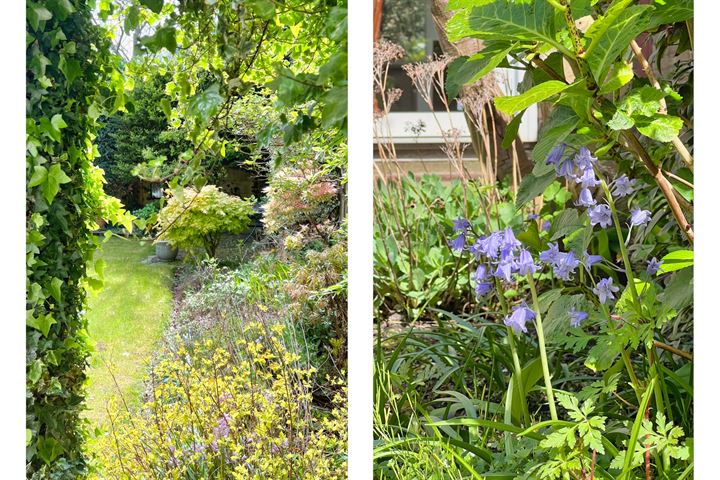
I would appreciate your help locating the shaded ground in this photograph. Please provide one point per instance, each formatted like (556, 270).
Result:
(126, 319)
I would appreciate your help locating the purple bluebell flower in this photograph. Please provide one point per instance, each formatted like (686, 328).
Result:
(458, 243)
(600, 214)
(587, 178)
(584, 159)
(222, 429)
(480, 273)
(551, 254)
(483, 288)
(590, 260)
(653, 265)
(525, 264)
(565, 265)
(532, 216)
(460, 224)
(577, 317)
(546, 225)
(639, 217)
(623, 186)
(566, 169)
(520, 314)
(555, 155)
(504, 271)
(475, 249)
(605, 289)
(509, 239)
(490, 245)
(585, 199)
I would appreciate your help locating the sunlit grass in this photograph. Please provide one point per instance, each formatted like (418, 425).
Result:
(125, 320)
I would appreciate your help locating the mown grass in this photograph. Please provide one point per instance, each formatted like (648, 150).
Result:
(125, 320)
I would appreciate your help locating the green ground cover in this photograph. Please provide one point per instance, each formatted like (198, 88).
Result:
(126, 320)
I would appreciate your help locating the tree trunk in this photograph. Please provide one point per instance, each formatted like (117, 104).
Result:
(467, 47)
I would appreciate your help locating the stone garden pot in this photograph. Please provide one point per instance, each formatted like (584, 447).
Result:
(164, 251)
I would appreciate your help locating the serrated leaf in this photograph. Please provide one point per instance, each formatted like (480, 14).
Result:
(662, 128)
(538, 93)
(503, 20)
(620, 75)
(608, 43)
(566, 222)
(670, 11)
(465, 70)
(532, 186)
(561, 123)
(620, 121)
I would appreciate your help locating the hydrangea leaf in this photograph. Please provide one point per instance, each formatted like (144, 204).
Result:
(662, 128)
(538, 93)
(561, 123)
(620, 75)
(465, 70)
(532, 186)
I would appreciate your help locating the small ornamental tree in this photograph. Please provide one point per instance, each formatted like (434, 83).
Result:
(196, 219)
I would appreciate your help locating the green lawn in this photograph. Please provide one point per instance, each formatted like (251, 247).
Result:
(125, 320)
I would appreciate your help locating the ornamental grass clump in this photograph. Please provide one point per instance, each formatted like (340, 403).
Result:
(213, 413)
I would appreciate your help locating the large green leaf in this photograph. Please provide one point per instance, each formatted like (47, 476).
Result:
(670, 11)
(464, 70)
(206, 103)
(55, 178)
(538, 93)
(609, 44)
(154, 5)
(561, 123)
(164, 37)
(504, 20)
(676, 260)
(662, 128)
(532, 186)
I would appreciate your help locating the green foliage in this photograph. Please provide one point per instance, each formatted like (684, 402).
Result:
(70, 73)
(197, 218)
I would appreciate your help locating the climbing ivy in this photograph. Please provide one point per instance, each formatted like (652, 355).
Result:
(72, 78)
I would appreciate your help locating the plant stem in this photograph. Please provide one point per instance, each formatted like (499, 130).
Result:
(516, 359)
(623, 248)
(543, 352)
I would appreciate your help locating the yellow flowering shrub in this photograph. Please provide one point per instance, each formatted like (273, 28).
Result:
(214, 414)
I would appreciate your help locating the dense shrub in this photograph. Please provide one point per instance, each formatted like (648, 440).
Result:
(241, 414)
(195, 219)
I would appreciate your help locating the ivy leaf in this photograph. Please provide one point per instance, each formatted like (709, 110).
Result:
(35, 371)
(70, 68)
(676, 260)
(57, 122)
(55, 178)
(49, 449)
(205, 104)
(36, 14)
(662, 128)
(538, 93)
(38, 177)
(42, 323)
(154, 5)
(28, 436)
(164, 37)
(54, 288)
